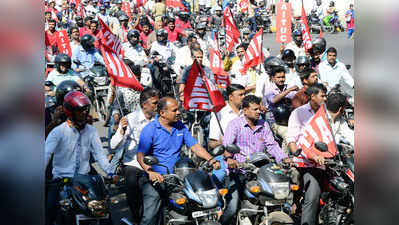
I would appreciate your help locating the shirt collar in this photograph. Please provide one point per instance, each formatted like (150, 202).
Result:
(274, 86)
(230, 110)
(309, 108)
(244, 123)
(141, 117)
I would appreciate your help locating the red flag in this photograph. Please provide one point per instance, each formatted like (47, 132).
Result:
(109, 39)
(316, 130)
(175, 4)
(321, 33)
(283, 22)
(254, 55)
(119, 72)
(126, 9)
(221, 76)
(196, 91)
(232, 33)
(307, 41)
(63, 43)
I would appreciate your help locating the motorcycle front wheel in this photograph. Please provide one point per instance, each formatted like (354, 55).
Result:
(279, 218)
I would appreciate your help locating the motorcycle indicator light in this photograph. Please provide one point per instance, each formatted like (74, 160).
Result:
(180, 201)
(81, 190)
(254, 189)
(295, 187)
(223, 192)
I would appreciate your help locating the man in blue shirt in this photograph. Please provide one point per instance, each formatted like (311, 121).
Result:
(86, 54)
(163, 138)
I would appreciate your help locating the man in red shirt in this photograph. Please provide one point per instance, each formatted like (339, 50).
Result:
(86, 29)
(144, 35)
(182, 22)
(173, 32)
(51, 33)
(95, 33)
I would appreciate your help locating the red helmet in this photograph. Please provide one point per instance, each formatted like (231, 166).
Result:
(75, 101)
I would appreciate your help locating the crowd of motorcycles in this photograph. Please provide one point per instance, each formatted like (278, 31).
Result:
(193, 197)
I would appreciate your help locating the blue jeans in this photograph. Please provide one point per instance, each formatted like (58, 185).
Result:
(252, 23)
(350, 32)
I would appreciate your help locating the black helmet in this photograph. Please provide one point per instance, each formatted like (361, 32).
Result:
(162, 36)
(133, 33)
(171, 19)
(288, 54)
(123, 17)
(272, 61)
(184, 166)
(62, 58)
(302, 61)
(297, 36)
(79, 21)
(200, 29)
(320, 44)
(183, 15)
(87, 42)
(281, 113)
(64, 88)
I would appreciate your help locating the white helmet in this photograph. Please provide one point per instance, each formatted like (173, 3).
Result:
(217, 8)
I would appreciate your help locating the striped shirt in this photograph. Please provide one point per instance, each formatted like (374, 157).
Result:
(239, 132)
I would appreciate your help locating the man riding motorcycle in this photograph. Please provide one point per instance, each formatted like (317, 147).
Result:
(71, 144)
(85, 56)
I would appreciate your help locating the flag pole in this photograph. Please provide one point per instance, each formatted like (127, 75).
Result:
(261, 52)
(209, 97)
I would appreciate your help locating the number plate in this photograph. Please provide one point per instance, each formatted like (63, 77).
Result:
(205, 212)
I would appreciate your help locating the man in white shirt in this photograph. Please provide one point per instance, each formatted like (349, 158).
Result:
(291, 75)
(133, 50)
(248, 80)
(164, 47)
(91, 8)
(235, 93)
(126, 140)
(296, 44)
(185, 56)
(336, 103)
(331, 71)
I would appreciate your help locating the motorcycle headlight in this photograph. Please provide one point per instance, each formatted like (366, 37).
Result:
(208, 198)
(280, 190)
(98, 208)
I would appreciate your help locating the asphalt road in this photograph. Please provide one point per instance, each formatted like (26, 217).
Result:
(344, 47)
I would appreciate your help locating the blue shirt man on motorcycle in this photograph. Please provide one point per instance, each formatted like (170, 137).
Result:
(163, 138)
(85, 56)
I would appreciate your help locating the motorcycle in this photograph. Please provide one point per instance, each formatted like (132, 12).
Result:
(268, 193)
(263, 20)
(164, 77)
(314, 22)
(193, 197)
(84, 198)
(338, 199)
(97, 80)
(332, 23)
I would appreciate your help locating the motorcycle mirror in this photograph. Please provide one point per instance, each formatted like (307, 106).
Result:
(348, 66)
(321, 146)
(76, 62)
(298, 152)
(49, 83)
(217, 151)
(150, 160)
(232, 148)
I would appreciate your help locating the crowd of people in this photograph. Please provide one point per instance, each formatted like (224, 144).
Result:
(267, 107)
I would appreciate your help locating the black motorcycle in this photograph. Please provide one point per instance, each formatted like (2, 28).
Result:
(84, 198)
(338, 199)
(97, 80)
(164, 77)
(263, 20)
(268, 195)
(314, 22)
(193, 197)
